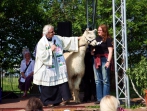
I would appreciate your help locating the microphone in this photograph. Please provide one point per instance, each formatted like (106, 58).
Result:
(54, 42)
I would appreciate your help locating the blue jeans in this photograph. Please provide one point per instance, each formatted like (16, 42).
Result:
(102, 80)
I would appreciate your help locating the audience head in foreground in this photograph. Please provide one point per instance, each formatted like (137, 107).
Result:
(110, 103)
(34, 104)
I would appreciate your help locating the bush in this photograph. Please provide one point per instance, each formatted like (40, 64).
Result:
(139, 74)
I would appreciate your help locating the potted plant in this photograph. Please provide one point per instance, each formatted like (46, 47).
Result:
(138, 78)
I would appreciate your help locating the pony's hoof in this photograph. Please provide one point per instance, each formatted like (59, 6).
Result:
(78, 102)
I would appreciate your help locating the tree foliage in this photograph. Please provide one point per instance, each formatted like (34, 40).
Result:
(21, 23)
(137, 33)
(139, 74)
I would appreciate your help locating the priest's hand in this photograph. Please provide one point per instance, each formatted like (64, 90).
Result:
(53, 47)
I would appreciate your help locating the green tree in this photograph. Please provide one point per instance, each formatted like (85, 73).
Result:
(136, 17)
(21, 23)
(137, 33)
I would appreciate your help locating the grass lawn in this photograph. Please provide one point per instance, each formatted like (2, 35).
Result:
(10, 83)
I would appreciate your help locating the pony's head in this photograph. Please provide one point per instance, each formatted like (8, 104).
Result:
(90, 36)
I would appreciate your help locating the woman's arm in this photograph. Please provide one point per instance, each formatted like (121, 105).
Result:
(22, 68)
(110, 49)
(23, 75)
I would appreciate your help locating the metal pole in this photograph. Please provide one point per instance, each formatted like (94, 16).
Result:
(120, 51)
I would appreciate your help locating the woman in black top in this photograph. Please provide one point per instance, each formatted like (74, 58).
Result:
(102, 58)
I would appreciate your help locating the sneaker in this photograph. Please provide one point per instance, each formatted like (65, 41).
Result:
(97, 102)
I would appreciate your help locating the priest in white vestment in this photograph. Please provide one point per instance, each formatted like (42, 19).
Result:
(50, 71)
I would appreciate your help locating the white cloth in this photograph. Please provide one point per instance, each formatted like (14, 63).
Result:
(50, 67)
(29, 70)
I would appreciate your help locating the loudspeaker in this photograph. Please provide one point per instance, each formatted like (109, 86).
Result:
(64, 29)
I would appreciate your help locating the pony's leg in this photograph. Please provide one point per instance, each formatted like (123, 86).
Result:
(70, 82)
(77, 89)
(73, 95)
(76, 96)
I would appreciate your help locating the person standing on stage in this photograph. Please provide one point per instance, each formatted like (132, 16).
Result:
(50, 68)
(102, 58)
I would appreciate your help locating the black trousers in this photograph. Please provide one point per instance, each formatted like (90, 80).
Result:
(55, 94)
(26, 85)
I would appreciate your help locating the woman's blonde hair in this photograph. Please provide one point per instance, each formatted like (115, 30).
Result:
(109, 103)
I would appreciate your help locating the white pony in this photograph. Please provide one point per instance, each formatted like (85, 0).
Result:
(75, 62)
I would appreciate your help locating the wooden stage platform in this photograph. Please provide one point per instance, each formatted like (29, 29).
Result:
(19, 104)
